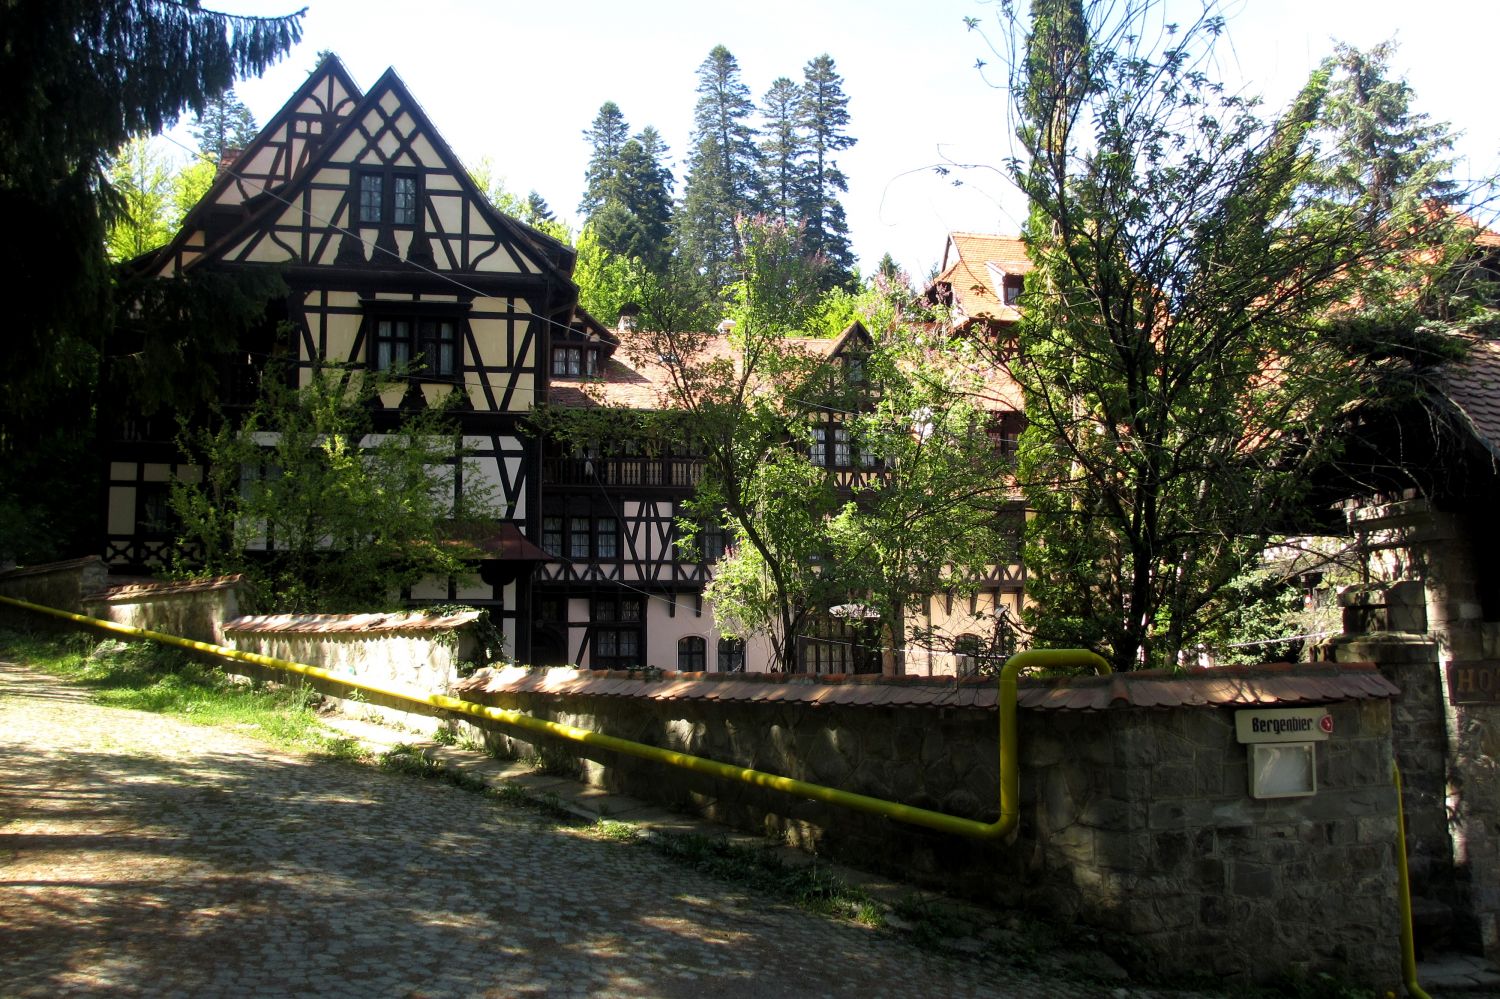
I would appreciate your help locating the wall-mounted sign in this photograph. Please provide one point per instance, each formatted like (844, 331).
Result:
(1474, 682)
(1283, 725)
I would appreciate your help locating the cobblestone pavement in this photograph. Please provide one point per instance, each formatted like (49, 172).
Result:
(142, 855)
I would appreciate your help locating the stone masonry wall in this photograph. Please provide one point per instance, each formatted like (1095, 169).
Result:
(403, 650)
(1474, 801)
(62, 585)
(196, 609)
(1136, 820)
(1425, 614)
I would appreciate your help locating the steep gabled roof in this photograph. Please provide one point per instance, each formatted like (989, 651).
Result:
(279, 152)
(388, 124)
(970, 264)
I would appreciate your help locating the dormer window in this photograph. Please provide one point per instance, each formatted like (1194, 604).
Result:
(575, 362)
(1012, 289)
(387, 197)
(854, 368)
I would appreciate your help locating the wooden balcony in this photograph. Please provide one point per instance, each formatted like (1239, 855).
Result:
(667, 472)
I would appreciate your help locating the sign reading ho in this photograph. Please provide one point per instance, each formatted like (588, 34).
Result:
(1476, 682)
(1283, 725)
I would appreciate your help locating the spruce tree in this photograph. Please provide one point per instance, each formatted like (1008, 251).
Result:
(223, 124)
(784, 152)
(823, 115)
(607, 136)
(721, 181)
(537, 210)
(1376, 148)
(80, 78)
(646, 192)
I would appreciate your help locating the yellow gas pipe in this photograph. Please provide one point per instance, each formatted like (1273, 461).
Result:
(1010, 780)
(1403, 894)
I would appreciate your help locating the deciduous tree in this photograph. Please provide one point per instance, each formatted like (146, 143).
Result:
(321, 513)
(1184, 345)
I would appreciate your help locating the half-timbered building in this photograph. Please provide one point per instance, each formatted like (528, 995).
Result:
(391, 254)
(625, 591)
(396, 262)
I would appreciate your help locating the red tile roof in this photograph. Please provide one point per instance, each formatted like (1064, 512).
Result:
(966, 269)
(1473, 387)
(1230, 686)
(637, 378)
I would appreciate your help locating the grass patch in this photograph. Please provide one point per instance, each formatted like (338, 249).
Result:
(147, 676)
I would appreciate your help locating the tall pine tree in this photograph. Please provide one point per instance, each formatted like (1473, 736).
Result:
(646, 192)
(722, 169)
(1376, 147)
(783, 151)
(823, 115)
(607, 136)
(223, 124)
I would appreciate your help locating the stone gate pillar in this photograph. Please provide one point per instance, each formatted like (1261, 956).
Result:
(1420, 615)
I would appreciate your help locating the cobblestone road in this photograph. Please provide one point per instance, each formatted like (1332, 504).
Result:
(141, 855)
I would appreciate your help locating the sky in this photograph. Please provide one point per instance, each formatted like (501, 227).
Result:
(519, 82)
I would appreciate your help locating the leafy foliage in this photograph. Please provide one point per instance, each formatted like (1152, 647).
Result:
(81, 78)
(143, 180)
(1188, 333)
(923, 518)
(320, 512)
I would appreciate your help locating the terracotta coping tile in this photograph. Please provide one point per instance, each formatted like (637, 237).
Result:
(136, 589)
(1270, 684)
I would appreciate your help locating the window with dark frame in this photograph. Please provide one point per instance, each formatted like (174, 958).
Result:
(575, 362)
(692, 654)
(607, 537)
(731, 655)
(617, 637)
(387, 197)
(371, 198)
(818, 453)
(966, 655)
(398, 340)
(552, 535)
(404, 200)
(578, 537)
(841, 451)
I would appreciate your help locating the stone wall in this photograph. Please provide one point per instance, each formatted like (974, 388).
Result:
(424, 652)
(62, 585)
(1135, 819)
(1424, 614)
(195, 609)
(1474, 803)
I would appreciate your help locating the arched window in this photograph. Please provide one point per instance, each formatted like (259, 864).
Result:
(692, 654)
(731, 655)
